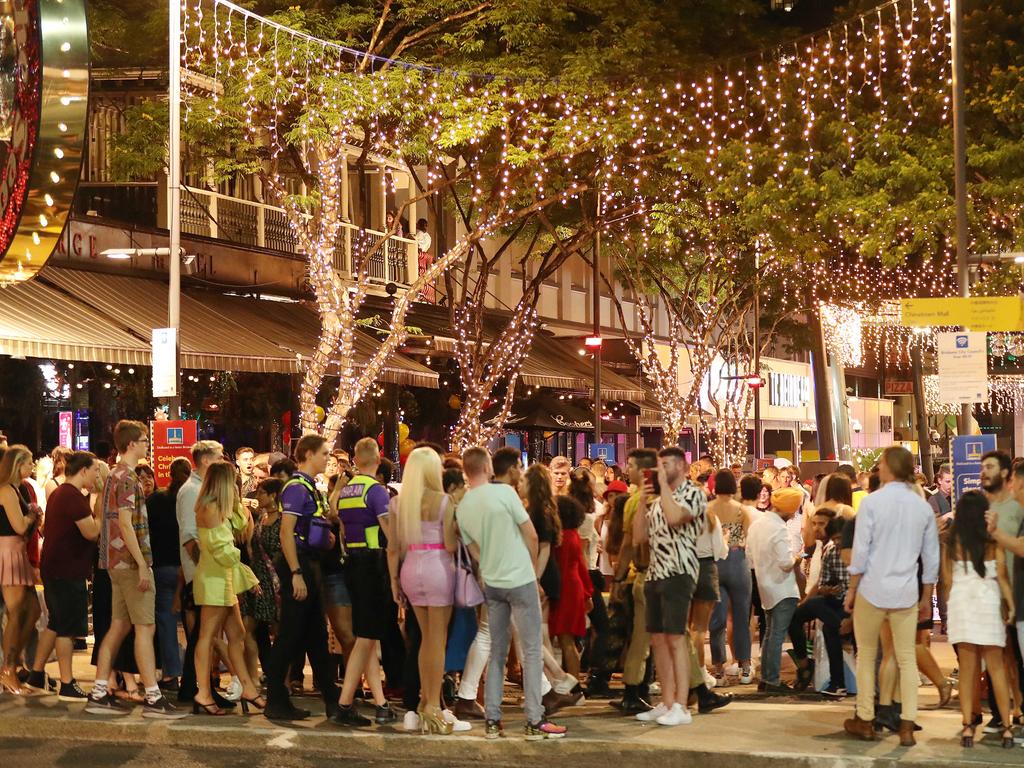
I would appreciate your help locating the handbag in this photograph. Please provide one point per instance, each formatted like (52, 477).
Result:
(467, 589)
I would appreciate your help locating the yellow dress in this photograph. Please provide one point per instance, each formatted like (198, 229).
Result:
(220, 574)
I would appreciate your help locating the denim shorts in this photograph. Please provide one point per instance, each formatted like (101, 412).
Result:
(336, 590)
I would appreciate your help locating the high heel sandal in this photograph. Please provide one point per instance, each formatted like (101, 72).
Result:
(259, 704)
(9, 682)
(945, 694)
(967, 736)
(1008, 738)
(434, 722)
(210, 709)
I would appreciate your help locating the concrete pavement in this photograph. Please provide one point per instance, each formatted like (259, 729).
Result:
(752, 732)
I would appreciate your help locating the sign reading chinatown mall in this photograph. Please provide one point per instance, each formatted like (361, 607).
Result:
(978, 313)
(44, 97)
(168, 440)
(963, 367)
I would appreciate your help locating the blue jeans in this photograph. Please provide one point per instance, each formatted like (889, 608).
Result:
(166, 577)
(734, 586)
(522, 605)
(779, 619)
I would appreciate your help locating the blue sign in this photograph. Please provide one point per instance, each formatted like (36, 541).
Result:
(967, 453)
(604, 451)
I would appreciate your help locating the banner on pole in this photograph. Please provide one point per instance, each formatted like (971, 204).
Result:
(963, 367)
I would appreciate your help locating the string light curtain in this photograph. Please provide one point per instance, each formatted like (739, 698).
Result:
(748, 123)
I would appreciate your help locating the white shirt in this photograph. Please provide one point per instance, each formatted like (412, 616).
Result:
(768, 547)
(422, 242)
(589, 536)
(185, 511)
(895, 528)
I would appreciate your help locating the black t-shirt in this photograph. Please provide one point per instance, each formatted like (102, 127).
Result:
(163, 529)
(551, 578)
(846, 537)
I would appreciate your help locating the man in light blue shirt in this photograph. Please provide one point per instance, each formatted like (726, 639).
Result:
(499, 534)
(895, 529)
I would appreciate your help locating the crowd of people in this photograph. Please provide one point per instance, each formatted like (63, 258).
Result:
(661, 575)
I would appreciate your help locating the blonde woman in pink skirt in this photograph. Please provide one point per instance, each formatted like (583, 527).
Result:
(17, 579)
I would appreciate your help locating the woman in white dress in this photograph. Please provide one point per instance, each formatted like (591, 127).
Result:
(980, 604)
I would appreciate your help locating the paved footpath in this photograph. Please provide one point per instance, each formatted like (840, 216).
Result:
(752, 732)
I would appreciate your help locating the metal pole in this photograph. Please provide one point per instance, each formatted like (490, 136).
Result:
(956, 21)
(174, 194)
(920, 414)
(595, 279)
(757, 358)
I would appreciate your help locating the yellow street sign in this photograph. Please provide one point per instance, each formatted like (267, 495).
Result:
(981, 313)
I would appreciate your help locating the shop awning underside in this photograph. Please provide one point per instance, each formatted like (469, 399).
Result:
(76, 315)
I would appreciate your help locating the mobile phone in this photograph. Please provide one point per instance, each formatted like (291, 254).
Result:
(651, 476)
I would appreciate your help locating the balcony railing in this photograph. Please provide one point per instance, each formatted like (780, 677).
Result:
(211, 214)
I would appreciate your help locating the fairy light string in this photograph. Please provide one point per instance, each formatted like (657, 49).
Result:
(747, 125)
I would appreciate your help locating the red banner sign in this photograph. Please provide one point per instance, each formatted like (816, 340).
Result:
(168, 440)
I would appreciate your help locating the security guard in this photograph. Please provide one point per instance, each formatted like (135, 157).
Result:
(361, 504)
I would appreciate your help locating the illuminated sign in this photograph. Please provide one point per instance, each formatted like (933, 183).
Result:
(788, 390)
(44, 97)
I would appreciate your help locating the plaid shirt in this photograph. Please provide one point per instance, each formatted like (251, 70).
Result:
(833, 570)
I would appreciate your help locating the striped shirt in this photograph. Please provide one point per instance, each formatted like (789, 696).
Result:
(674, 549)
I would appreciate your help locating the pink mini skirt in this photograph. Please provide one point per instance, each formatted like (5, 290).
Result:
(15, 569)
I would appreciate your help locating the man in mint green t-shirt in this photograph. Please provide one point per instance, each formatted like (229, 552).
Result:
(499, 534)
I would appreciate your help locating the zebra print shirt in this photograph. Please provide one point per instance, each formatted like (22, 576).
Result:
(674, 550)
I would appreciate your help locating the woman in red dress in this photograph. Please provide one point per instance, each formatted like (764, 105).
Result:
(568, 618)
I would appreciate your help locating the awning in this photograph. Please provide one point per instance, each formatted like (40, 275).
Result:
(39, 321)
(550, 413)
(77, 315)
(552, 364)
(295, 328)
(209, 340)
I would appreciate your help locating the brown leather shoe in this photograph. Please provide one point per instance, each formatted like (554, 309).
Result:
(861, 729)
(907, 733)
(469, 709)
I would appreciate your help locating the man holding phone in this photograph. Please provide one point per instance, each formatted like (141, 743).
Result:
(669, 518)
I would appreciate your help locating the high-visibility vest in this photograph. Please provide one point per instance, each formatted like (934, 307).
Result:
(353, 496)
(302, 530)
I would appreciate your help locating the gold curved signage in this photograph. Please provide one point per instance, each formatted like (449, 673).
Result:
(44, 100)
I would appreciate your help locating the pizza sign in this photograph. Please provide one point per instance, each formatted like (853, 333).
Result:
(44, 96)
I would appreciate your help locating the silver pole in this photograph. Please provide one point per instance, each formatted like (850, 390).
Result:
(174, 194)
(956, 21)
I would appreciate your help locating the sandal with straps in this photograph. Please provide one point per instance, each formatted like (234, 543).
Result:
(967, 736)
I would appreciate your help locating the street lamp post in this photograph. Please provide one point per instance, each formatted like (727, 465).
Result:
(174, 194)
(956, 21)
(757, 358)
(595, 341)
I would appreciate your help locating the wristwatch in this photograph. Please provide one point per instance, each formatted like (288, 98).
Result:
(296, 571)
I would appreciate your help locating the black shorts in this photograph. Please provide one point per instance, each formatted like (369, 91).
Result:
(67, 606)
(668, 604)
(707, 581)
(369, 588)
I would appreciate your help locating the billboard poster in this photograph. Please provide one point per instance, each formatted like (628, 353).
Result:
(167, 441)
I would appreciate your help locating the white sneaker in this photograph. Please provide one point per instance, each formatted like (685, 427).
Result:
(652, 714)
(411, 721)
(234, 690)
(676, 716)
(747, 676)
(566, 684)
(709, 679)
(458, 726)
(733, 670)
